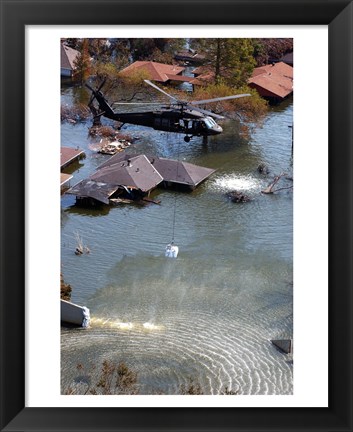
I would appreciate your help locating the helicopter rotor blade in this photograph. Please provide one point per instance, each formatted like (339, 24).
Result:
(209, 113)
(102, 84)
(199, 102)
(89, 87)
(138, 103)
(162, 91)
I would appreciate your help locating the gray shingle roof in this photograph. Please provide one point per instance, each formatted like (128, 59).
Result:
(181, 172)
(68, 57)
(138, 172)
(135, 172)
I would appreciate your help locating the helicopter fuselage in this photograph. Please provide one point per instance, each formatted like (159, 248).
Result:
(169, 120)
(185, 121)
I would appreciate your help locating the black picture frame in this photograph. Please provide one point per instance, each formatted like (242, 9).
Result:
(15, 15)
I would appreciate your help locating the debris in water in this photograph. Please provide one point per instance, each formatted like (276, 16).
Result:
(285, 345)
(263, 168)
(236, 196)
(80, 248)
(111, 148)
(270, 190)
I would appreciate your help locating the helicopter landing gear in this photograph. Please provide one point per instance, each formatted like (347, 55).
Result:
(187, 138)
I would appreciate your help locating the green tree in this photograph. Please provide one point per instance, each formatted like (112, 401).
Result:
(230, 60)
(246, 108)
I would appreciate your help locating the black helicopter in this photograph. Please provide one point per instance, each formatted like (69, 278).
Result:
(179, 116)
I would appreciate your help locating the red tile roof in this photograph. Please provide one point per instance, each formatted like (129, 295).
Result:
(273, 80)
(157, 71)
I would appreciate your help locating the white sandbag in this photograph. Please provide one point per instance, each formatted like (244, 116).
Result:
(171, 251)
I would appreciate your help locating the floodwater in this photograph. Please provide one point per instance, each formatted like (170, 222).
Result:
(210, 314)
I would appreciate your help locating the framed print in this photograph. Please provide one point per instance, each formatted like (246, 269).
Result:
(204, 341)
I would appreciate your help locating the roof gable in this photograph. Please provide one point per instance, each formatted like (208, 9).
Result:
(136, 172)
(156, 71)
(68, 57)
(273, 80)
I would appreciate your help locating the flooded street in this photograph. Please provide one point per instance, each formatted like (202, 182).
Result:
(210, 314)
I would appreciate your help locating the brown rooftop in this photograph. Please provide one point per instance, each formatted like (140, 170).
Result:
(273, 80)
(68, 155)
(160, 72)
(156, 71)
(88, 188)
(65, 178)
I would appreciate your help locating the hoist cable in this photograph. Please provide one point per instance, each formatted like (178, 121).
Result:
(176, 194)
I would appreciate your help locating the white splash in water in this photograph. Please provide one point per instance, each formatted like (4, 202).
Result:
(123, 326)
(150, 326)
(100, 322)
(117, 324)
(237, 182)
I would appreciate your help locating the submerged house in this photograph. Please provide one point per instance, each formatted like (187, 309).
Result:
(130, 177)
(125, 177)
(68, 155)
(181, 173)
(68, 58)
(190, 56)
(160, 72)
(273, 82)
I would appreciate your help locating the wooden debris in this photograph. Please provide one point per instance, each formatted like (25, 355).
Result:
(270, 190)
(120, 201)
(150, 200)
(111, 148)
(80, 248)
(74, 114)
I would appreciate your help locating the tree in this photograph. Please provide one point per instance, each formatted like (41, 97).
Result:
(270, 49)
(155, 49)
(231, 60)
(83, 62)
(246, 108)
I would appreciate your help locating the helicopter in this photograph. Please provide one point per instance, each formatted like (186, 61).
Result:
(179, 116)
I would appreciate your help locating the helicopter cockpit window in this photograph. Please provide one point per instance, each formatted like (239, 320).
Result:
(209, 123)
